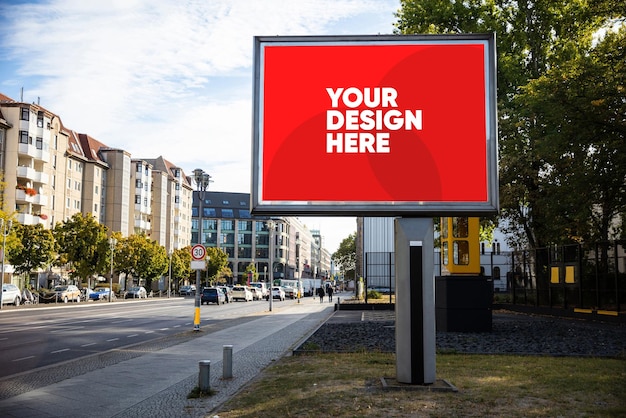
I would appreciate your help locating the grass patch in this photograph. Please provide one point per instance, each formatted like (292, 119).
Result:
(348, 385)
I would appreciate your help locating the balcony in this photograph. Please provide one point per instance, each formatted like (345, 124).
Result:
(142, 225)
(28, 219)
(34, 152)
(22, 197)
(32, 174)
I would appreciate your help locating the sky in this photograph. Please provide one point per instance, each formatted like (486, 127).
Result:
(167, 77)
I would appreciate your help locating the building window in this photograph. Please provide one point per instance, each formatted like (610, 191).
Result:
(225, 202)
(137, 199)
(244, 214)
(228, 225)
(244, 225)
(194, 211)
(208, 212)
(209, 224)
(138, 184)
(24, 137)
(24, 114)
(227, 213)
(139, 167)
(39, 143)
(95, 207)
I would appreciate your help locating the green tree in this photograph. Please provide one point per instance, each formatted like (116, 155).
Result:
(216, 265)
(83, 243)
(35, 248)
(581, 125)
(181, 264)
(141, 258)
(532, 37)
(345, 256)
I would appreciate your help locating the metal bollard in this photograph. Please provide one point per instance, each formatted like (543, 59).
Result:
(204, 375)
(227, 362)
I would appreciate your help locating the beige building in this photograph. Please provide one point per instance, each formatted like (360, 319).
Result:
(51, 173)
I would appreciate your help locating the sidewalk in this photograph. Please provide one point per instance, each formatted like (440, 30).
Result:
(157, 384)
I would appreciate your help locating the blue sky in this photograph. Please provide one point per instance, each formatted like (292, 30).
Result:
(166, 77)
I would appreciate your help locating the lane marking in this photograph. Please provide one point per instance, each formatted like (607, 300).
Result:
(24, 358)
(59, 351)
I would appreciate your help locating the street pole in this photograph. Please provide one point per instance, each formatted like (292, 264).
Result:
(112, 243)
(202, 180)
(169, 276)
(6, 229)
(270, 225)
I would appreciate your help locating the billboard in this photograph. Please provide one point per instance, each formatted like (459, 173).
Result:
(375, 125)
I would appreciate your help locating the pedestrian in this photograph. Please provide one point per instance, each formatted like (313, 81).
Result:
(321, 293)
(330, 293)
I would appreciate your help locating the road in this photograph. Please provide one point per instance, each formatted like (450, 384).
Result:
(31, 338)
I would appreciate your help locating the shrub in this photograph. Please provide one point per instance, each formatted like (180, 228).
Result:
(372, 294)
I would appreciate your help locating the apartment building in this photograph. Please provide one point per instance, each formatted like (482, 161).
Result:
(51, 173)
(223, 220)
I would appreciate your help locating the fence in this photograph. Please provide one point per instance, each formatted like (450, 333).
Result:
(576, 276)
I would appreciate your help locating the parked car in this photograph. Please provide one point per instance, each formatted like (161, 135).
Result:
(227, 293)
(11, 294)
(136, 292)
(262, 287)
(290, 292)
(101, 293)
(256, 293)
(278, 293)
(65, 293)
(212, 295)
(188, 290)
(241, 293)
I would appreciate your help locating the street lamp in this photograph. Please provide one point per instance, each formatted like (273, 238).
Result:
(5, 226)
(270, 225)
(112, 243)
(202, 180)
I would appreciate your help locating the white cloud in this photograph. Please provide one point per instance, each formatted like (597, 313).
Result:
(163, 77)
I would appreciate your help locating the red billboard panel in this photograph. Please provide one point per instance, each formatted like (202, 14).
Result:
(375, 125)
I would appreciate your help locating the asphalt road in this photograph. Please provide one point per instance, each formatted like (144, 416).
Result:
(35, 337)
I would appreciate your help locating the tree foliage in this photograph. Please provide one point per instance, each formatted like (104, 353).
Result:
(544, 48)
(83, 243)
(345, 256)
(34, 248)
(141, 258)
(181, 263)
(217, 265)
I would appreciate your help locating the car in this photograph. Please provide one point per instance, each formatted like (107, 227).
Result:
(262, 287)
(278, 293)
(256, 293)
(242, 293)
(227, 293)
(290, 292)
(188, 290)
(11, 294)
(136, 292)
(101, 293)
(65, 293)
(383, 290)
(212, 295)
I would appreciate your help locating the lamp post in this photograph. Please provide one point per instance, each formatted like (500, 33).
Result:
(202, 180)
(169, 276)
(270, 225)
(6, 229)
(112, 243)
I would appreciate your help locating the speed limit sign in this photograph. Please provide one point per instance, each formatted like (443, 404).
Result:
(198, 252)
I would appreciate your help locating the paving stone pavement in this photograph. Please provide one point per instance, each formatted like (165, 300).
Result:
(156, 383)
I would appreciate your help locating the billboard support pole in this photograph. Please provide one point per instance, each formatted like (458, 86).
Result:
(415, 301)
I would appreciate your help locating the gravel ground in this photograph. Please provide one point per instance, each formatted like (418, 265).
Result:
(512, 333)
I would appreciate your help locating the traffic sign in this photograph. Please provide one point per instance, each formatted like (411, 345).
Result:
(198, 252)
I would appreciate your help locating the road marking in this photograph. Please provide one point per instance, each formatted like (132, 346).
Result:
(149, 332)
(113, 339)
(24, 358)
(163, 329)
(131, 335)
(59, 351)
(177, 326)
(87, 345)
